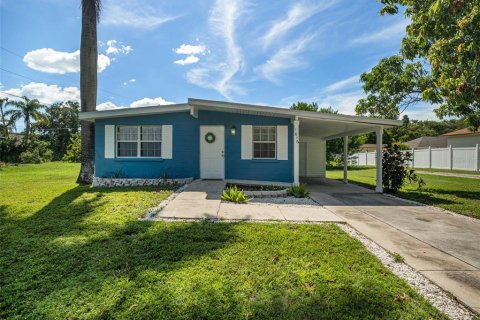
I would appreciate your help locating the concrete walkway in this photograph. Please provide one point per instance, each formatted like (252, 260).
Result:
(443, 247)
(450, 174)
(201, 200)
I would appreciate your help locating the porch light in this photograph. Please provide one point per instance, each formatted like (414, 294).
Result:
(233, 130)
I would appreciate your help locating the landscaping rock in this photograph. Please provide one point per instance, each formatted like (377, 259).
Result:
(127, 182)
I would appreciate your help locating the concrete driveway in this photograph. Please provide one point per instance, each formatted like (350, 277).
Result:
(444, 247)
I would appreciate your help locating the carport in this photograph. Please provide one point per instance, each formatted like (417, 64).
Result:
(314, 129)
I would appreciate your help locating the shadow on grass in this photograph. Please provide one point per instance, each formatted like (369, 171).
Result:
(70, 261)
(55, 248)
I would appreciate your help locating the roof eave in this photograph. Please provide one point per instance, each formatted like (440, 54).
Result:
(292, 113)
(125, 112)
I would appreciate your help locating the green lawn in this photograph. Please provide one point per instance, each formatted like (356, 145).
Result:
(477, 173)
(461, 195)
(70, 252)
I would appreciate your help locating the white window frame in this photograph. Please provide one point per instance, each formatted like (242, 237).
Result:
(139, 141)
(253, 142)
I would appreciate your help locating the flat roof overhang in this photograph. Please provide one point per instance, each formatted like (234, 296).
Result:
(312, 124)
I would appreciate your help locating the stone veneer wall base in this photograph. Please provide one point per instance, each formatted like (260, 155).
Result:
(127, 182)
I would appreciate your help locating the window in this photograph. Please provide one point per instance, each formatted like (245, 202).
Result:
(264, 142)
(139, 141)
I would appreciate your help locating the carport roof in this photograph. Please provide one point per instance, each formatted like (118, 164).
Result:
(312, 124)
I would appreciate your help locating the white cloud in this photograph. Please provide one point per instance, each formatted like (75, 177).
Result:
(285, 59)
(107, 106)
(187, 60)
(345, 103)
(145, 102)
(297, 14)
(223, 18)
(133, 14)
(46, 94)
(51, 61)
(115, 47)
(190, 49)
(129, 81)
(346, 83)
(392, 32)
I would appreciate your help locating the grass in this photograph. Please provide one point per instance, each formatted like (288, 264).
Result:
(461, 195)
(477, 173)
(75, 252)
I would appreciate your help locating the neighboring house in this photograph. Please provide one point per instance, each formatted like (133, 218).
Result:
(463, 138)
(425, 142)
(369, 147)
(219, 140)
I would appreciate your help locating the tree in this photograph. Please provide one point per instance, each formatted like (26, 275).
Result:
(7, 118)
(305, 106)
(62, 123)
(88, 84)
(73, 150)
(446, 35)
(392, 86)
(29, 110)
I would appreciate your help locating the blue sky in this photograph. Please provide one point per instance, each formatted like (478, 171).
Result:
(158, 52)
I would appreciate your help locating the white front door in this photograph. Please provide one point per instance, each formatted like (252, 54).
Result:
(212, 152)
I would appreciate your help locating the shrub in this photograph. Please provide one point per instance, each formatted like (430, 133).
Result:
(395, 170)
(298, 191)
(73, 149)
(232, 194)
(10, 149)
(37, 152)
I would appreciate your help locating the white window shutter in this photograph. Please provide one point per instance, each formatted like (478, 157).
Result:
(247, 142)
(109, 141)
(282, 142)
(167, 141)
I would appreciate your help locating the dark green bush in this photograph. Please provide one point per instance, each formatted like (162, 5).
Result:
(73, 149)
(396, 171)
(37, 152)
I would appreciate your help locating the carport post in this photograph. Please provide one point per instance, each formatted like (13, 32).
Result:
(345, 159)
(296, 152)
(379, 134)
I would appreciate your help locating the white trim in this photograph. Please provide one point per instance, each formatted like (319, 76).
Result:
(109, 146)
(379, 136)
(282, 142)
(246, 132)
(345, 159)
(138, 141)
(126, 112)
(296, 152)
(264, 142)
(167, 142)
(234, 107)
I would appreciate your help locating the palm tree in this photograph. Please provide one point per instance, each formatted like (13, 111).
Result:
(28, 109)
(88, 84)
(7, 117)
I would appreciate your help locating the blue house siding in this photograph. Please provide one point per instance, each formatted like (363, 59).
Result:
(186, 148)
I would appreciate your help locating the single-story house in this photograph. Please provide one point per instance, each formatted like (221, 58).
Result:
(220, 140)
(425, 142)
(463, 138)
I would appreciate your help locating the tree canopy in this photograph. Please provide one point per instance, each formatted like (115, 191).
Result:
(439, 62)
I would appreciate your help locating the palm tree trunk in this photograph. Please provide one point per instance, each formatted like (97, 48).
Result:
(88, 87)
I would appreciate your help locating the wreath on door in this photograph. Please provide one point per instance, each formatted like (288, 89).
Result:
(210, 137)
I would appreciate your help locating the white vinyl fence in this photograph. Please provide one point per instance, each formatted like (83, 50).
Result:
(438, 158)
